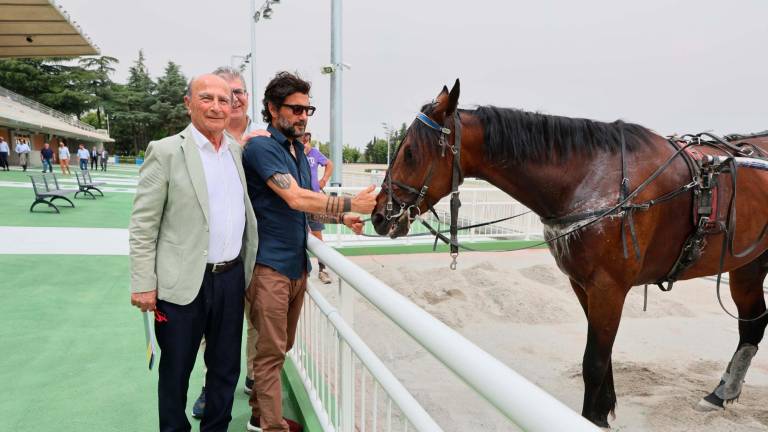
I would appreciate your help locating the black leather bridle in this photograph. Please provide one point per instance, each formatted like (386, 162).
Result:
(396, 208)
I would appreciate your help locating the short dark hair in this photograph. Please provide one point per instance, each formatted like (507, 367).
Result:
(282, 85)
(308, 133)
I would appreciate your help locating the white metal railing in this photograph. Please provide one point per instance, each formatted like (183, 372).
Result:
(479, 204)
(522, 402)
(37, 106)
(343, 376)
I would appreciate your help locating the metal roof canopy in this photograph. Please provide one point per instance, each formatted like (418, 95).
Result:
(40, 28)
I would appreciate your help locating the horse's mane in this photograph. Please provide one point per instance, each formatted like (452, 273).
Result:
(517, 136)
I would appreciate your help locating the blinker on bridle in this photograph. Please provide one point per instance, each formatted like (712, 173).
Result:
(412, 209)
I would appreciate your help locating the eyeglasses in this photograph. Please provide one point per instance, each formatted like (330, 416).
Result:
(298, 109)
(239, 92)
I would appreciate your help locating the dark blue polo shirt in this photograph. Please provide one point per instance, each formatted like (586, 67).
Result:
(282, 230)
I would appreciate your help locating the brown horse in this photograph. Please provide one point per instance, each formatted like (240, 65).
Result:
(560, 166)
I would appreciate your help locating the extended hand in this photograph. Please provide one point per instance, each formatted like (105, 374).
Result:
(365, 201)
(256, 133)
(145, 301)
(322, 183)
(353, 222)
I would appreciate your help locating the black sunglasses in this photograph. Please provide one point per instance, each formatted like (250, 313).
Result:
(298, 109)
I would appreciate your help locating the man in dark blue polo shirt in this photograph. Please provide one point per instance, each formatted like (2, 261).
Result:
(278, 177)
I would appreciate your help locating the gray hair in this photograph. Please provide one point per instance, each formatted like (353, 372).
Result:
(189, 86)
(229, 73)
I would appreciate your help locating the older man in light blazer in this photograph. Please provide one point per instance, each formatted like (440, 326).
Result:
(192, 247)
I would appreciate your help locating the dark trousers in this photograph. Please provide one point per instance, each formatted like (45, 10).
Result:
(83, 164)
(217, 313)
(47, 162)
(94, 162)
(4, 160)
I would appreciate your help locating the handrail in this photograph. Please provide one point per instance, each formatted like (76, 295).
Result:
(515, 397)
(411, 408)
(46, 110)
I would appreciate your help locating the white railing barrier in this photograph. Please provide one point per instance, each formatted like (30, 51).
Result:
(522, 402)
(327, 352)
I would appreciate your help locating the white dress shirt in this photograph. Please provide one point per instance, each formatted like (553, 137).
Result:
(4, 147)
(226, 206)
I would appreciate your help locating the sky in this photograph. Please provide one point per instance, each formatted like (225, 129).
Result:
(675, 66)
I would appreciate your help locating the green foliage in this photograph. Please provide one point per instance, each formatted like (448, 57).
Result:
(350, 154)
(376, 151)
(171, 88)
(324, 147)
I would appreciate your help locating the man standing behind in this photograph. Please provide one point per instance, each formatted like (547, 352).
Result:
(4, 150)
(279, 186)
(317, 159)
(192, 239)
(94, 158)
(46, 154)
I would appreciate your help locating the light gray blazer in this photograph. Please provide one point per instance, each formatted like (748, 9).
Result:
(169, 222)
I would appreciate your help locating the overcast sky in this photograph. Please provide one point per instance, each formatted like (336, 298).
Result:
(671, 65)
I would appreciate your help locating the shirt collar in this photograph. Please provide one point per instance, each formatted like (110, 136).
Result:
(282, 139)
(201, 140)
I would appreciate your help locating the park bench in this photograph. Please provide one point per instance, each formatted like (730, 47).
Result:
(86, 184)
(47, 189)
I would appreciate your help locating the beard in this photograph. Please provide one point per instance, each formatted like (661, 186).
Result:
(291, 130)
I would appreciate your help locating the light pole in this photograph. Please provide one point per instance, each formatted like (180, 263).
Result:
(265, 11)
(336, 110)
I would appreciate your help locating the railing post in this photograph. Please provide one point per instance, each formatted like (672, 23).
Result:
(346, 307)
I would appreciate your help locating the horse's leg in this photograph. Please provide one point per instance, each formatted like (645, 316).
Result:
(747, 292)
(603, 308)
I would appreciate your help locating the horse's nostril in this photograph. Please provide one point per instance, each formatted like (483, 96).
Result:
(377, 218)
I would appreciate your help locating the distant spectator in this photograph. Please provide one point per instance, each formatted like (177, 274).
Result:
(104, 158)
(4, 150)
(94, 158)
(46, 154)
(83, 155)
(64, 158)
(315, 159)
(23, 150)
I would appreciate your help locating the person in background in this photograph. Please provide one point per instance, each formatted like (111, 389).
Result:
(23, 150)
(46, 154)
(64, 158)
(83, 155)
(4, 150)
(103, 159)
(316, 159)
(94, 158)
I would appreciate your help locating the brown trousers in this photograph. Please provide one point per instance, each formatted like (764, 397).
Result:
(275, 305)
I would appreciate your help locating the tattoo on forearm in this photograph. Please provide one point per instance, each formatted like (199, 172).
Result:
(336, 205)
(283, 181)
(327, 218)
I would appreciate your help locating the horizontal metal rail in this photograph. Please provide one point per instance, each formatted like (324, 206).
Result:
(515, 397)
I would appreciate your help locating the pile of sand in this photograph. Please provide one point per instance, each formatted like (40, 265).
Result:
(521, 309)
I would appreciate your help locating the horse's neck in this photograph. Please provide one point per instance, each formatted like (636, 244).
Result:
(555, 189)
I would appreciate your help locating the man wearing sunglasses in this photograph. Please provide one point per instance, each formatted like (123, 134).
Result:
(278, 177)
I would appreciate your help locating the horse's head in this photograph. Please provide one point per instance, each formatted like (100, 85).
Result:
(420, 172)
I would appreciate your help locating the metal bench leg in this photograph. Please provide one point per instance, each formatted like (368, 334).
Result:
(71, 204)
(85, 192)
(42, 201)
(97, 190)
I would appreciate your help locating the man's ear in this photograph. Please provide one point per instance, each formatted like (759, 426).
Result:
(186, 104)
(453, 98)
(272, 109)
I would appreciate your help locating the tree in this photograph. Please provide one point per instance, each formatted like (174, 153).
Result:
(169, 107)
(350, 154)
(376, 151)
(101, 85)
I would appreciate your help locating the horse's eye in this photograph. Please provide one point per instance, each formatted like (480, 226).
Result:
(408, 154)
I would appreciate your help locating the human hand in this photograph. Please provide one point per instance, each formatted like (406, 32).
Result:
(322, 183)
(365, 201)
(353, 222)
(256, 133)
(145, 301)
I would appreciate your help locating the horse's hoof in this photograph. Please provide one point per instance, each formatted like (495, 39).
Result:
(709, 403)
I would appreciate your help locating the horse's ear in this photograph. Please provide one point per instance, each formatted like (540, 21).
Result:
(442, 95)
(453, 98)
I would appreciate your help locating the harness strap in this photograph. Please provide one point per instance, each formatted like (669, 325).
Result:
(455, 181)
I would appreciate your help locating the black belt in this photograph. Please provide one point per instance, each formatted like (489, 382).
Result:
(221, 267)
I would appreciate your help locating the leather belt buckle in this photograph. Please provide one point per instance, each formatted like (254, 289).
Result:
(217, 266)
